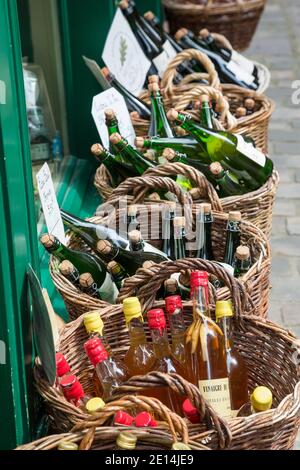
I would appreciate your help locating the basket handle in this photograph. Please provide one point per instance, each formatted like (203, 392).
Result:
(195, 177)
(140, 185)
(184, 388)
(145, 283)
(167, 82)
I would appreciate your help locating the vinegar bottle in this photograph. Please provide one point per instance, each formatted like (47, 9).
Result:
(174, 310)
(206, 349)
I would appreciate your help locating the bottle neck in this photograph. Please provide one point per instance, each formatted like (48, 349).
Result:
(232, 241)
(139, 246)
(206, 116)
(132, 156)
(200, 301)
(204, 242)
(112, 126)
(241, 266)
(160, 342)
(136, 332)
(176, 320)
(162, 126)
(226, 326)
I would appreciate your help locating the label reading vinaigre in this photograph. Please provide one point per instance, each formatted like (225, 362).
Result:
(247, 149)
(216, 393)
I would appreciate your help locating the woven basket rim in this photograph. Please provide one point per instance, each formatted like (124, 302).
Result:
(236, 6)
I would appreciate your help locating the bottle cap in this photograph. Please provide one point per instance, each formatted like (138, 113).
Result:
(199, 279)
(104, 247)
(180, 33)
(134, 115)
(169, 154)
(190, 411)
(149, 15)
(93, 322)
(94, 405)
(261, 398)
(66, 445)
(242, 253)
(195, 194)
(95, 351)
(66, 267)
(47, 240)
(139, 142)
(204, 99)
(179, 222)
(249, 103)
(204, 33)
(156, 319)
(86, 280)
(235, 216)
(132, 210)
(153, 87)
(145, 419)
(71, 387)
(135, 236)
(171, 285)
(216, 168)
(180, 446)
(123, 4)
(172, 114)
(173, 303)
(206, 207)
(121, 417)
(241, 112)
(223, 309)
(115, 138)
(110, 114)
(97, 150)
(114, 268)
(148, 264)
(153, 79)
(132, 308)
(62, 366)
(126, 440)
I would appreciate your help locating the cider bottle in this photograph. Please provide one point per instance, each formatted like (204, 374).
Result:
(174, 310)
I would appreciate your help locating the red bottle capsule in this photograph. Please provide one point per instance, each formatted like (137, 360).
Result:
(123, 418)
(144, 419)
(190, 412)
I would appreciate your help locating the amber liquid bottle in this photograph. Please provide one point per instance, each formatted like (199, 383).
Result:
(174, 310)
(236, 367)
(206, 349)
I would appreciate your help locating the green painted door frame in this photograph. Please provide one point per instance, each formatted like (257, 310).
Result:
(17, 236)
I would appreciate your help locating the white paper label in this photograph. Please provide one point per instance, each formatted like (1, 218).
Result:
(108, 290)
(162, 61)
(40, 152)
(216, 392)
(243, 62)
(240, 74)
(112, 99)
(247, 149)
(49, 203)
(170, 51)
(124, 56)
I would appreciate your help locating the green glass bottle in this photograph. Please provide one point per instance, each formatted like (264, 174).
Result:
(233, 237)
(88, 285)
(136, 242)
(118, 273)
(230, 149)
(204, 223)
(85, 263)
(131, 155)
(112, 125)
(168, 216)
(173, 157)
(69, 271)
(131, 261)
(159, 124)
(118, 171)
(206, 118)
(185, 145)
(242, 261)
(228, 184)
(179, 238)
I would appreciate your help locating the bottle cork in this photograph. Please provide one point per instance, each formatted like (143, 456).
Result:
(135, 115)
(171, 285)
(135, 236)
(66, 267)
(242, 253)
(47, 240)
(153, 87)
(153, 79)
(123, 4)
(204, 33)
(132, 210)
(204, 99)
(235, 216)
(195, 194)
(104, 247)
(115, 138)
(180, 33)
(206, 207)
(172, 114)
(180, 132)
(149, 16)
(179, 222)
(241, 112)
(249, 103)
(97, 150)
(114, 267)
(184, 279)
(86, 280)
(105, 71)
(216, 168)
(150, 154)
(109, 114)
(139, 142)
(169, 154)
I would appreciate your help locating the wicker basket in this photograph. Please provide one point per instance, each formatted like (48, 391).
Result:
(237, 20)
(270, 353)
(150, 217)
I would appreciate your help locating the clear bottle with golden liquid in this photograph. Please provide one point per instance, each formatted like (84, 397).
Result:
(206, 349)
(236, 367)
(174, 310)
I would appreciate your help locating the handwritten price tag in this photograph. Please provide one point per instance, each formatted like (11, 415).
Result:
(49, 203)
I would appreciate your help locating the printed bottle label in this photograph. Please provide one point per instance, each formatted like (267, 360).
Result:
(108, 290)
(243, 62)
(216, 393)
(240, 74)
(161, 62)
(247, 149)
(169, 49)
(40, 152)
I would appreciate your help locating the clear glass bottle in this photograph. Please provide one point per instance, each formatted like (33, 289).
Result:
(174, 311)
